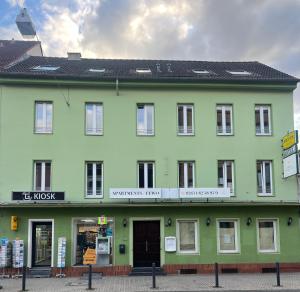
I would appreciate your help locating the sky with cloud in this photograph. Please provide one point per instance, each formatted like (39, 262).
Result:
(229, 30)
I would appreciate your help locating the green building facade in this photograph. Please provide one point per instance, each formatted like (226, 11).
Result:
(182, 172)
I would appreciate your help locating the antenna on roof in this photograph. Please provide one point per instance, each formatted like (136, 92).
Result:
(25, 25)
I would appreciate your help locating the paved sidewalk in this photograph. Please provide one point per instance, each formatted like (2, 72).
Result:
(237, 282)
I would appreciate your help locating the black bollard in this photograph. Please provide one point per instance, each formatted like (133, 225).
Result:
(24, 279)
(278, 274)
(90, 277)
(216, 276)
(153, 276)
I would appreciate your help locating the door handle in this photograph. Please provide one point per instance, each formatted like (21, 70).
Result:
(146, 245)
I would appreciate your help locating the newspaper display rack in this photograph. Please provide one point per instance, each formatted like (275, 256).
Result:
(18, 256)
(4, 256)
(61, 256)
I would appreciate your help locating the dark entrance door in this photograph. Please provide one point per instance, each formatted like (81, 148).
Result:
(41, 244)
(146, 243)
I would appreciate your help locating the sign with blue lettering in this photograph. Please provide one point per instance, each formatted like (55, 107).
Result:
(38, 196)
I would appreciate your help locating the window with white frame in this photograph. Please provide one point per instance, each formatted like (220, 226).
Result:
(263, 119)
(185, 119)
(42, 176)
(94, 179)
(267, 235)
(186, 174)
(226, 175)
(93, 118)
(146, 174)
(224, 120)
(145, 119)
(264, 177)
(228, 236)
(43, 117)
(187, 236)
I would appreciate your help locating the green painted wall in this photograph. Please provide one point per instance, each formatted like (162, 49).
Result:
(289, 249)
(120, 149)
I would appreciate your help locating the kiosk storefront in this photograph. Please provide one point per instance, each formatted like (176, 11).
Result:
(89, 234)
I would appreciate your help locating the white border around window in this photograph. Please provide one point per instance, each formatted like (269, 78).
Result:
(236, 234)
(224, 108)
(197, 239)
(276, 235)
(147, 162)
(185, 131)
(261, 108)
(263, 171)
(85, 180)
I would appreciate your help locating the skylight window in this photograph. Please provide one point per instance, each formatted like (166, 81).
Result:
(100, 70)
(45, 68)
(143, 70)
(239, 72)
(200, 71)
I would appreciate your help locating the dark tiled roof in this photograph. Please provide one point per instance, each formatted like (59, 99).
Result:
(161, 70)
(11, 50)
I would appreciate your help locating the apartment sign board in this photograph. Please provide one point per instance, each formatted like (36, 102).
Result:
(289, 140)
(204, 193)
(290, 165)
(162, 193)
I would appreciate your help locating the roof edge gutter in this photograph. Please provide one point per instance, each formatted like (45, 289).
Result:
(259, 85)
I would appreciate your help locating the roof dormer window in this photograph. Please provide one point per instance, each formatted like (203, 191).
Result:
(143, 70)
(200, 71)
(239, 72)
(45, 68)
(100, 70)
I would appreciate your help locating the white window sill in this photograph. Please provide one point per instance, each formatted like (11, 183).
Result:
(185, 134)
(224, 134)
(145, 135)
(258, 134)
(269, 251)
(94, 134)
(265, 195)
(43, 132)
(93, 197)
(188, 252)
(228, 252)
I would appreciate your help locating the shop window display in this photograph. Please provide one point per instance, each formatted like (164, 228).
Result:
(89, 234)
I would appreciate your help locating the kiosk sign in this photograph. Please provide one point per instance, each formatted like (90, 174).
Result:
(289, 140)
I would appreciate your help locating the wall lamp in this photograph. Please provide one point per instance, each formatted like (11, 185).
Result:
(124, 222)
(208, 221)
(169, 222)
(290, 220)
(249, 221)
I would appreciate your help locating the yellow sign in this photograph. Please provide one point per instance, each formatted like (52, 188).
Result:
(102, 220)
(289, 140)
(89, 258)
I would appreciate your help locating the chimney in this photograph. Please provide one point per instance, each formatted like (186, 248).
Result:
(74, 56)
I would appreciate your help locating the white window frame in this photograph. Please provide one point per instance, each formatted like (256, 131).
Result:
(263, 178)
(225, 174)
(94, 195)
(276, 235)
(43, 175)
(145, 131)
(94, 132)
(185, 173)
(185, 131)
(223, 109)
(146, 163)
(44, 129)
(196, 224)
(261, 109)
(236, 235)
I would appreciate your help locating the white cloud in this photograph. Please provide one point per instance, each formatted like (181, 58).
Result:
(16, 2)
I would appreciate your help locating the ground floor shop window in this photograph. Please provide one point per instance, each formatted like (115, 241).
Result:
(187, 234)
(227, 236)
(88, 234)
(267, 235)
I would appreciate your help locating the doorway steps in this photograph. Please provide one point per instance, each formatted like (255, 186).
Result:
(40, 272)
(146, 271)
